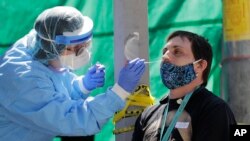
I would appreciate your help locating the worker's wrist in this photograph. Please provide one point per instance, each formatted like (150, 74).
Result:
(81, 85)
(120, 91)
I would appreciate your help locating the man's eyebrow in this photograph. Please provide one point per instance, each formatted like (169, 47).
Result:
(174, 46)
(177, 46)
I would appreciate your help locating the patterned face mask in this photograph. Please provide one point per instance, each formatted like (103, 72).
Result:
(176, 76)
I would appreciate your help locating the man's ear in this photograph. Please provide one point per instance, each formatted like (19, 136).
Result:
(200, 66)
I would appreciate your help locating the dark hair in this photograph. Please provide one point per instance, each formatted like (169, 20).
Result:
(200, 48)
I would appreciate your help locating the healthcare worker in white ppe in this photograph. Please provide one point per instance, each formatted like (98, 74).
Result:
(41, 98)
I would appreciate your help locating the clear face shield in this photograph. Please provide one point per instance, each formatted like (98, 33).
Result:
(78, 46)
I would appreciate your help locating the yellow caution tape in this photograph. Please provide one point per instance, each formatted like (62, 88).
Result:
(140, 98)
(132, 113)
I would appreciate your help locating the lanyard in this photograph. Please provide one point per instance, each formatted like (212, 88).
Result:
(174, 120)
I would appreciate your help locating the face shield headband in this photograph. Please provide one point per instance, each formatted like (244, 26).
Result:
(70, 40)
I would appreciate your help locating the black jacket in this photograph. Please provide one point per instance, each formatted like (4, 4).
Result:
(206, 117)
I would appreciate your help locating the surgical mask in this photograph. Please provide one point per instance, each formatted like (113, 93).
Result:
(177, 76)
(75, 61)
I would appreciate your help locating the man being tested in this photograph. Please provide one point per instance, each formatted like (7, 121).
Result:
(189, 112)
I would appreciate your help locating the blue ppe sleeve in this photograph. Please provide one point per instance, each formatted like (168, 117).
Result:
(37, 106)
(70, 81)
(79, 87)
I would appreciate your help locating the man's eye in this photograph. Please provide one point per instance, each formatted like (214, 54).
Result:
(177, 52)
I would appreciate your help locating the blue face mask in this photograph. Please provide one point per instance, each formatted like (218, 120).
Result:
(176, 76)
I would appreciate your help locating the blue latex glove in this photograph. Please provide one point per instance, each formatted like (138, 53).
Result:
(95, 77)
(130, 74)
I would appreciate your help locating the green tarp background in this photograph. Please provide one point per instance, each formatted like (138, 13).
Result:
(164, 16)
